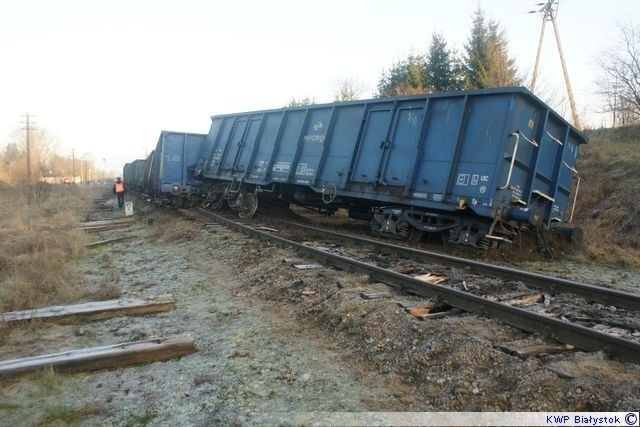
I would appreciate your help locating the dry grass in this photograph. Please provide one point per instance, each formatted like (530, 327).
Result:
(36, 246)
(608, 206)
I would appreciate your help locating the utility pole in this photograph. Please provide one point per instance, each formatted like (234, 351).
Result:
(549, 11)
(28, 125)
(73, 165)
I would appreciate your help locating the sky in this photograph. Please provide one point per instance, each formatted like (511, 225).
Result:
(106, 76)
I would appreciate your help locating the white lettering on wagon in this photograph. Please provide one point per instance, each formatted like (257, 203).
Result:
(281, 167)
(463, 179)
(316, 137)
(319, 139)
(304, 170)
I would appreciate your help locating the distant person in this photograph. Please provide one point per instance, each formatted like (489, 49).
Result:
(119, 190)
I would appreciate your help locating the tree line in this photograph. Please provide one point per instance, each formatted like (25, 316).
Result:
(485, 62)
(44, 159)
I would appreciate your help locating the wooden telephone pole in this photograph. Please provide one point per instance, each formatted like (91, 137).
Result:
(28, 125)
(549, 11)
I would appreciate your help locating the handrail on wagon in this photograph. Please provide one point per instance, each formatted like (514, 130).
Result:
(517, 134)
(575, 199)
(530, 141)
(513, 160)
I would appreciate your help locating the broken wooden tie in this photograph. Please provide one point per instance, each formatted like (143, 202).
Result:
(105, 242)
(95, 310)
(431, 278)
(110, 356)
(526, 351)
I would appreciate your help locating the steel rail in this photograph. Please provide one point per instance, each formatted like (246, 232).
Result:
(579, 336)
(620, 299)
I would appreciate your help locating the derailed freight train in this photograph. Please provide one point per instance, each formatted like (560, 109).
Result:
(474, 166)
(167, 175)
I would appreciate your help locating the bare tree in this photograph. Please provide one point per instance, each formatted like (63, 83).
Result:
(42, 148)
(620, 85)
(349, 89)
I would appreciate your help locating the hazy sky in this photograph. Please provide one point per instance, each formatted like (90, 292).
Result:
(106, 76)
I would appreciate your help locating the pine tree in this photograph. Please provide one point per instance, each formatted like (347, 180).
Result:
(404, 78)
(439, 72)
(487, 62)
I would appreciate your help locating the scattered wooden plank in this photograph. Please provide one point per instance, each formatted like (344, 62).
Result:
(95, 310)
(525, 300)
(419, 311)
(308, 266)
(269, 229)
(560, 372)
(431, 278)
(106, 242)
(110, 356)
(98, 228)
(373, 295)
(105, 222)
(404, 270)
(308, 293)
(588, 319)
(535, 349)
(440, 314)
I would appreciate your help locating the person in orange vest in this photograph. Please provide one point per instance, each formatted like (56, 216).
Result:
(119, 190)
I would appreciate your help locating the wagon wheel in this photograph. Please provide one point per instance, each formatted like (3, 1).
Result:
(375, 226)
(415, 235)
(178, 202)
(214, 201)
(403, 230)
(250, 206)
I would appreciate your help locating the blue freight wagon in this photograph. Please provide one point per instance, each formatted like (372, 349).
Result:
(139, 171)
(147, 179)
(133, 174)
(475, 166)
(172, 166)
(128, 175)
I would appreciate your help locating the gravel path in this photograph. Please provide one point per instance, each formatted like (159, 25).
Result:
(254, 359)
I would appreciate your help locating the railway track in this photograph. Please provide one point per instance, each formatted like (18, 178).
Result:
(593, 293)
(582, 337)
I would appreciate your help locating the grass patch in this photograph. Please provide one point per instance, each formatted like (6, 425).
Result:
(608, 208)
(52, 414)
(36, 245)
(37, 402)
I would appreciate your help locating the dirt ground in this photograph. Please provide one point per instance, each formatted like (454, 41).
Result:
(273, 340)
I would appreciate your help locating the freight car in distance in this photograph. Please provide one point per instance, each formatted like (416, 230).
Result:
(475, 166)
(167, 174)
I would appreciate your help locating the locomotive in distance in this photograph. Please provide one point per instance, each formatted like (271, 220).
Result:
(476, 167)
